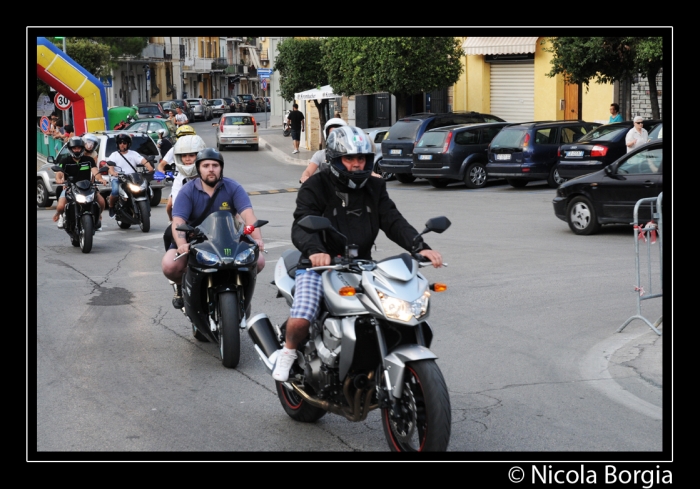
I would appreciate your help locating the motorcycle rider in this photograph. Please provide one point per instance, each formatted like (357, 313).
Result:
(169, 159)
(319, 158)
(193, 200)
(81, 166)
(358, 206)
(127, 160)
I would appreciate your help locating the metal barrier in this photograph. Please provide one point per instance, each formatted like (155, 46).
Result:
(648, 233)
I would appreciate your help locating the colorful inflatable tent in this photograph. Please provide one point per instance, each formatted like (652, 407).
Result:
(85, 91)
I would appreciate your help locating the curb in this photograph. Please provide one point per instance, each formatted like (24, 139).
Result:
(302, 160)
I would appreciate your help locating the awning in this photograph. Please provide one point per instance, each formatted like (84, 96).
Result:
(499, 45)
(325, 91)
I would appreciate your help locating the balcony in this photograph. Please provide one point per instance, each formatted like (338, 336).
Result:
(236, 70)
(219, 64)
(198, 65)
(154, 51)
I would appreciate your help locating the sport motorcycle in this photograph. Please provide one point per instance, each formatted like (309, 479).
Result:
(219, 281)
(134, 203)
(369, 347)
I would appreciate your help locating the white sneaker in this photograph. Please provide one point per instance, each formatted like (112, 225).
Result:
(59, 223)
(295, 151)
(285, 360)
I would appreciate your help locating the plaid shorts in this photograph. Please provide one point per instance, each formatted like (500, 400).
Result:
(307, 296)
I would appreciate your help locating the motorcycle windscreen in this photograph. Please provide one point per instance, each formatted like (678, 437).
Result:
(223, 235)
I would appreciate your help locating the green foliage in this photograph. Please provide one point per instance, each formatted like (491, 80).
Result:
(400, 65)
(299, 66)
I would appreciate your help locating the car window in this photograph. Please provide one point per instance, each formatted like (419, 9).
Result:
(432, 139)
(404, 130)
(237, 120)
(572, 134)
(644, 162)
(604, 133)
(491, 118)
(379, 137)
(467, 137)
(509, 138)
(488, 133)
(657, 132)
(546, 135)
(139, 126)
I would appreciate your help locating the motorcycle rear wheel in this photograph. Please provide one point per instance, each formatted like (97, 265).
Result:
(86, 232)
(425, 420)
(296, 407)
(229, 331)
(145, 216)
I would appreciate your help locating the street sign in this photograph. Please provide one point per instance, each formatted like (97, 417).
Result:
(44, 124)
(264, 72)
(62, 102)
(263, 84)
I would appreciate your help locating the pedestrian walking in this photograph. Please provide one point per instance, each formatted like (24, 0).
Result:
(295, 119)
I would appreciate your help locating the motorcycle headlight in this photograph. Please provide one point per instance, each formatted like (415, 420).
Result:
(207, 258)
(403, 310)
(245, 257)
(84, 199)
(135, 188)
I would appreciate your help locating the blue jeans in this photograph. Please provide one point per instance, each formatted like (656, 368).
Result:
(115, 186)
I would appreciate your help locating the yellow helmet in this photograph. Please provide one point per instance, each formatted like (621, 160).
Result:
(185, 130)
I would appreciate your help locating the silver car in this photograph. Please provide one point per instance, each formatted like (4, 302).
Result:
(237, 129)
(202, 111)
(376, 135)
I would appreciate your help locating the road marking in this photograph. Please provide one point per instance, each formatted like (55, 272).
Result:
(280, 191)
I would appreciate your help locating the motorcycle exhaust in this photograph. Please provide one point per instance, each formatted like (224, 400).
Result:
(263, 335)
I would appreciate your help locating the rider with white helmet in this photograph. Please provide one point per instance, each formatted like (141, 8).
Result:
(318, 160)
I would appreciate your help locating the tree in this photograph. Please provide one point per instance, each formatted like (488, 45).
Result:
(300, 68)
(607, 59)
(404, 66)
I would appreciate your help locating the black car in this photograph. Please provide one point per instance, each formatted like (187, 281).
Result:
(596, 149)
(608, 196)
(150, 109)
(455, 154)
(249, 104)
(527, 151)
(397, 147)
(234, 103)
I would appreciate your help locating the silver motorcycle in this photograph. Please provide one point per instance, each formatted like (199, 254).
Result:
(368, 348)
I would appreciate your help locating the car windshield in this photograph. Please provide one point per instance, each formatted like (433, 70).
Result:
(246, 97)
(194, 102)
(405, 129)
(509, 138)
(217, 101)
(604, 133)
(149, 110)
(237, 120)
(657, 132)
(143, 145)
(432, 139)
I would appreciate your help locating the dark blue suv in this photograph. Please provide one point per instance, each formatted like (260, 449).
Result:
(397, 147)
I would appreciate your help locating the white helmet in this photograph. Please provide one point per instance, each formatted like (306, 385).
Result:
(185, 145)
(332, 123)
(91, 142)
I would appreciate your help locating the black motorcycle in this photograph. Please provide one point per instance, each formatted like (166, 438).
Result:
(82, 212)
(219, 281)
(134, 203)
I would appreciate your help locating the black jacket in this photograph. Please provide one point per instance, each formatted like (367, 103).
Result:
(359, 215)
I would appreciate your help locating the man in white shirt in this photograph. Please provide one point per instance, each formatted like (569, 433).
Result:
(637, 135)
(127, 161)
(180, 118)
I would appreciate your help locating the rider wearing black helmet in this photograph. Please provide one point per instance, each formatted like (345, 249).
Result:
(127, 161)
(358, 206)
(80, 166)
(193, 205)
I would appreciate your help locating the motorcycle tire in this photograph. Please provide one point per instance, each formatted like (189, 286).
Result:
(120, 222)
(426, 418)
(144, 216)
(229, 330)
(86, 232)
(296, 407)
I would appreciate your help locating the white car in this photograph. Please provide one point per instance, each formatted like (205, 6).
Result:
(376, 135)
(237, 129)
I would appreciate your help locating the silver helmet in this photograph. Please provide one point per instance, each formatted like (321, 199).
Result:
(349, 141)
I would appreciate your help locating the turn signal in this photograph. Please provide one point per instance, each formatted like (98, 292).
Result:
(248, 229)
(438, 287)
(347, 291)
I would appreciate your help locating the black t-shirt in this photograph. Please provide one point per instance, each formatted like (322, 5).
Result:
(81, 170)
(165, 146)
(296, 117)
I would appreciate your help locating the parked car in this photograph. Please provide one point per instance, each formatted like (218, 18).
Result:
(168, 105)
(202, 110)
(186, 108)
(397, 147)
(596, 149)
(608, 196)
(150, 109)
(524, 152)
(234, 104)
(657, 132)
(218, 106)
(262, 104)
(376, 135)
(455, 154)
(151, 126)
(249, 104)
(140, 142)
(237, 129)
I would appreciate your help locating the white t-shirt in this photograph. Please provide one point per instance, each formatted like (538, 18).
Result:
(132, 156)
(181, 118)
(177, 185)
(170, 156)
(637, 137)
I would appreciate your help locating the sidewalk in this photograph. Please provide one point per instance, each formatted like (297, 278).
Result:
(272, 139)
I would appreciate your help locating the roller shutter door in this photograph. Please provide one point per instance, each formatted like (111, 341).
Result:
(513, 91)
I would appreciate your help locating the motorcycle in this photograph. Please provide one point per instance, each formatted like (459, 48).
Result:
(219, 281)
(369, 347)
(134, 203)
(81, 212)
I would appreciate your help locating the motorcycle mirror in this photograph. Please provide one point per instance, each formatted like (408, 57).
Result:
(437, 224)
(314, 224)
(185, 228)
(56, 168)
(260, 223)
(111, 163)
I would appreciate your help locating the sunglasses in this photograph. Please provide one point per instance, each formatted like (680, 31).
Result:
(637, 122)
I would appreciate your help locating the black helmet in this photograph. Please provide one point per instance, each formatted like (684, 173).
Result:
(209, 154)
(349, 141)
(123, 137)
(76, 142)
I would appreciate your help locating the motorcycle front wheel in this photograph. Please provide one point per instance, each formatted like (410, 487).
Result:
(229, 331)
(296, 407)
(145, 216)
(85, 233)
(424, 420)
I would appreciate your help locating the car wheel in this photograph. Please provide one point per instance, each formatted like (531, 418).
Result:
(42, 195)
(405, 177)
(582, 217)
(554, 179)
(157, 194)
(438, 182)
(254, 147)
(517, 183)
(475, 176)
(218, 147)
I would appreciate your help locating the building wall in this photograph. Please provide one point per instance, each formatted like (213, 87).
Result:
(548, 91)
(641, 104)
(595, 103)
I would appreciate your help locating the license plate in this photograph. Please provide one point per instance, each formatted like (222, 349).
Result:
(574, 153)
(395, 152)
(503, 157)
(425, 157)
(239, 141)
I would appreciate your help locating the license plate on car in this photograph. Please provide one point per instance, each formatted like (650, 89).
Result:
(574, 153)
(425, 157)
(239, 141)
(503, 156)
(395, 152)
